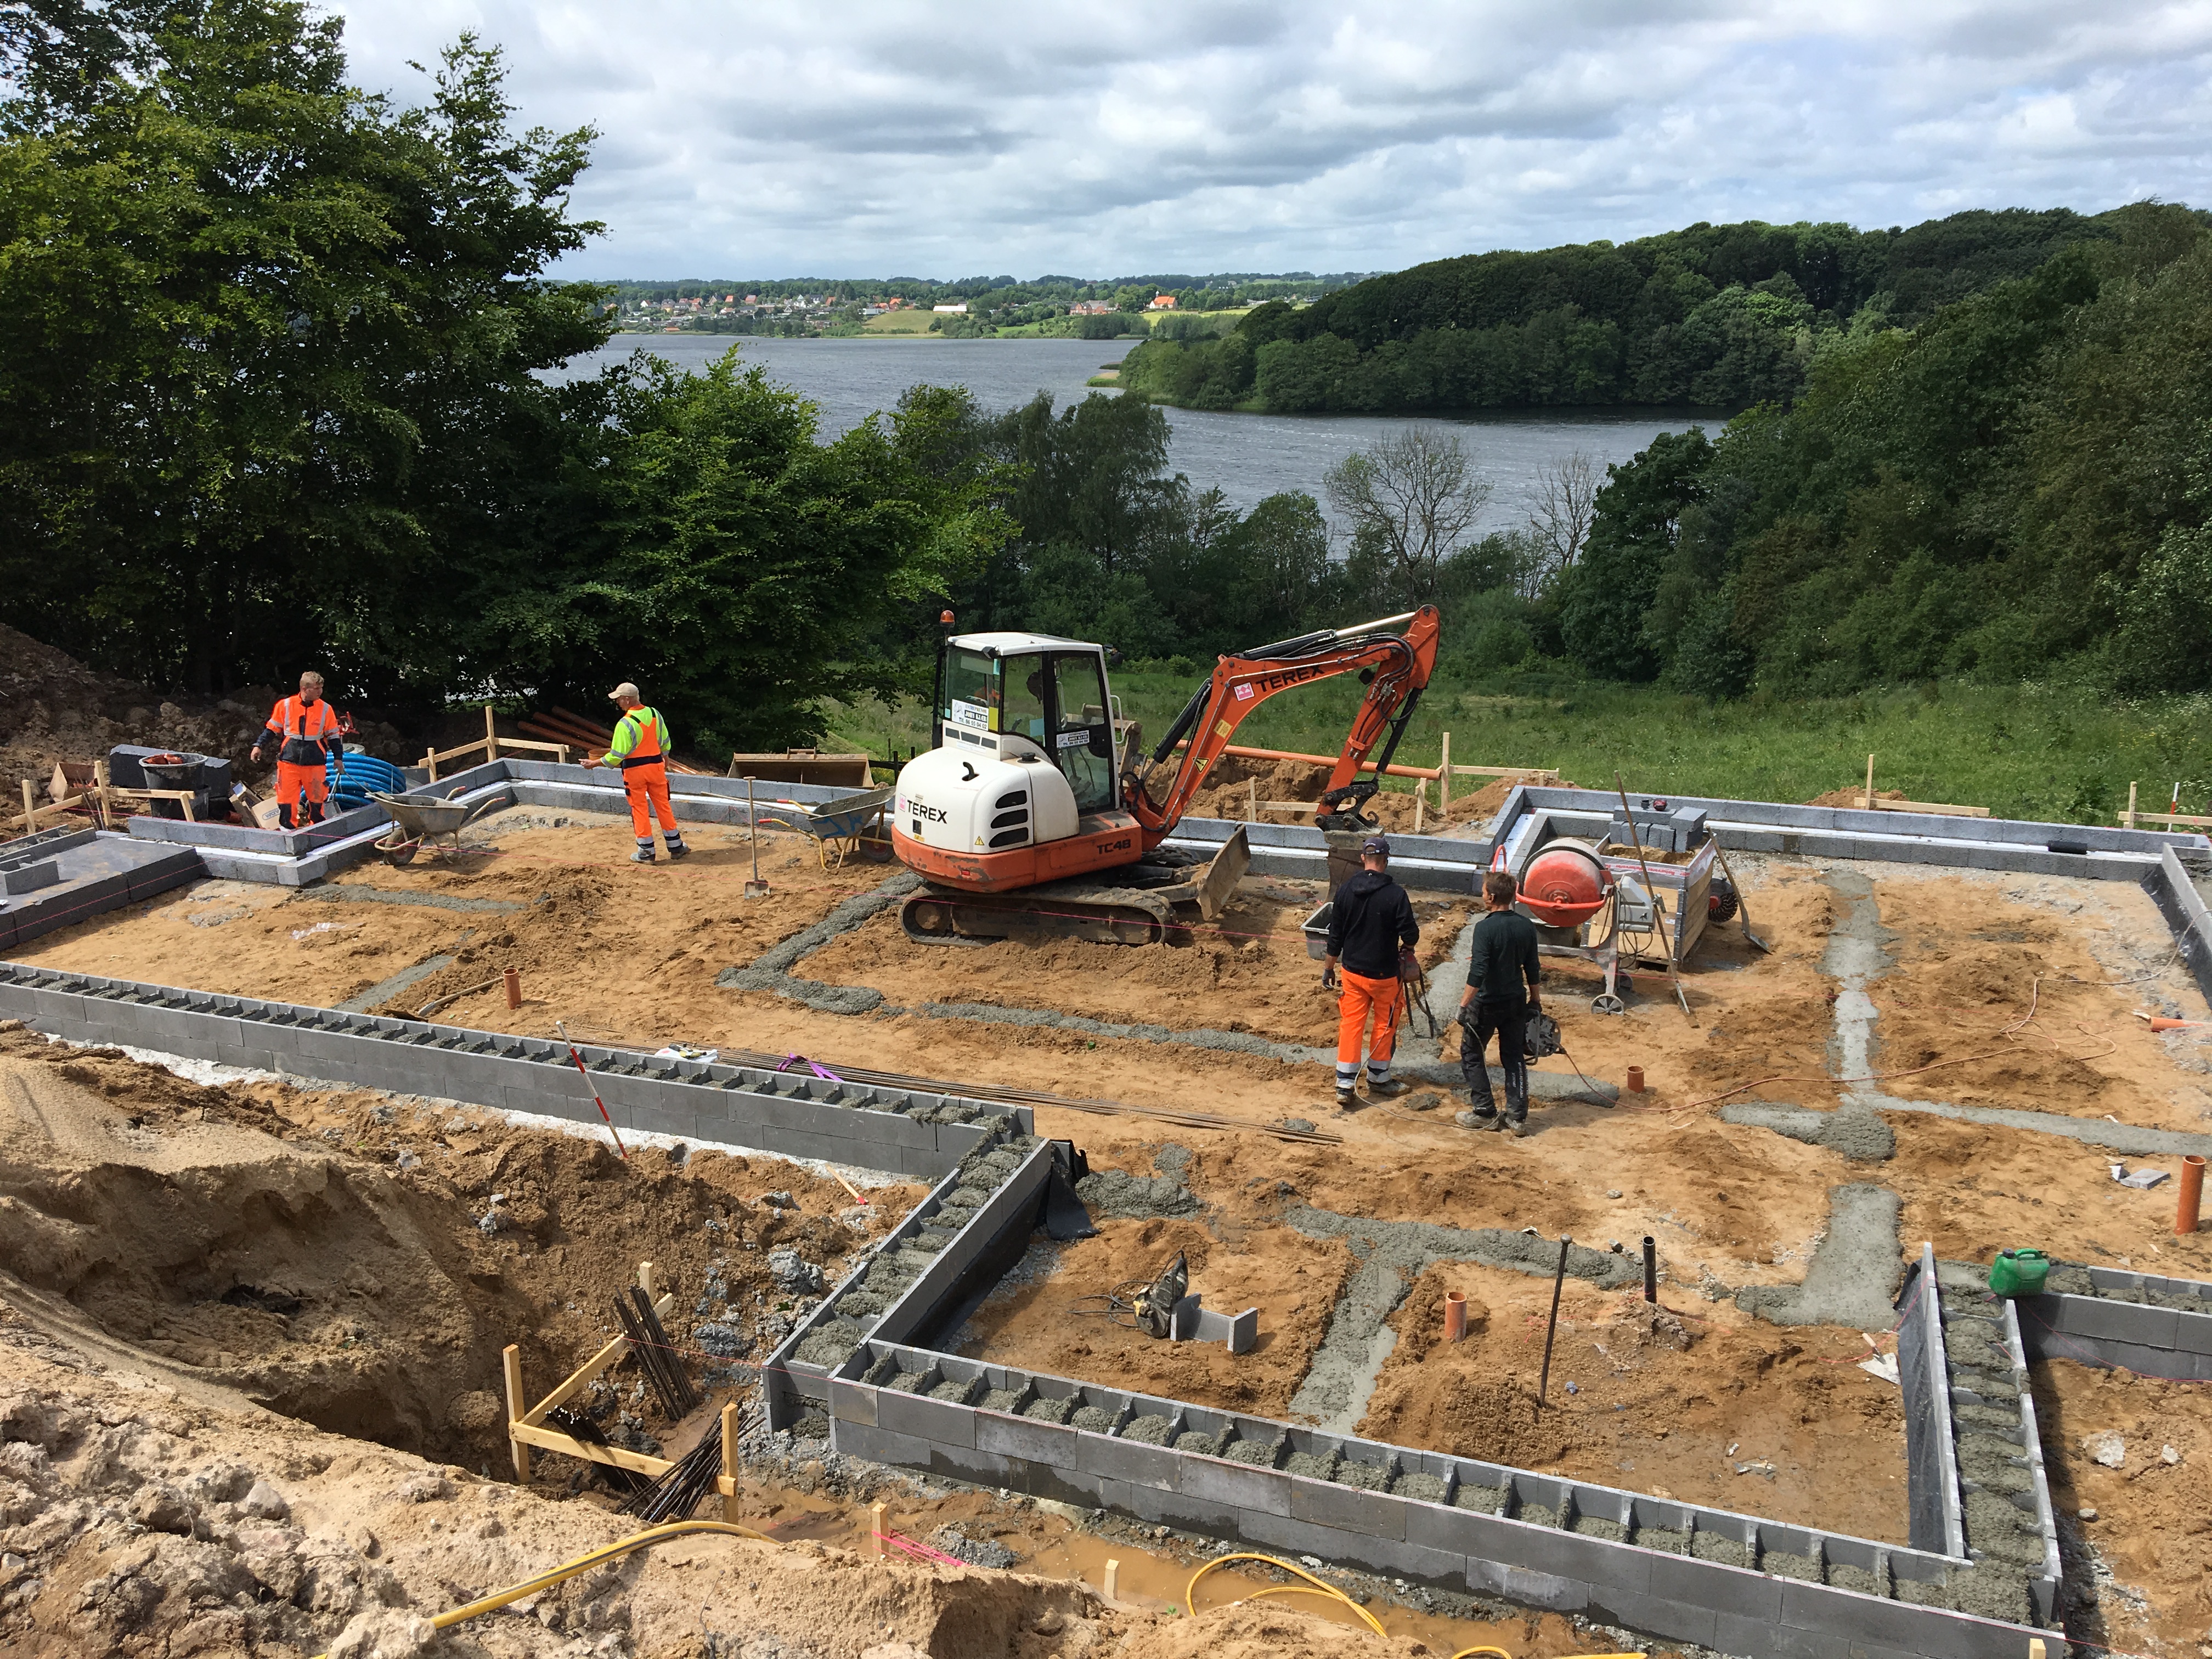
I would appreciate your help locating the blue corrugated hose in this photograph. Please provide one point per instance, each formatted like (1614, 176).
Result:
(363, 773)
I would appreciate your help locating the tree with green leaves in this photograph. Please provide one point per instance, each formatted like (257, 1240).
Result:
(271, 366)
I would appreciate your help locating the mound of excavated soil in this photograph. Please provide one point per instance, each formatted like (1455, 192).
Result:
(360, 1265)
(1853, 797)
(1235, 783)
(54, 708)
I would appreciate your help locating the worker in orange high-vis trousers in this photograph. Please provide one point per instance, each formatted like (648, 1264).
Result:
(1369, 922)
(302, 730)
(641, 749)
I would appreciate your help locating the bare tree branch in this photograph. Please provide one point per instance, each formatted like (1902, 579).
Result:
(1561, 503)
(1415, 497)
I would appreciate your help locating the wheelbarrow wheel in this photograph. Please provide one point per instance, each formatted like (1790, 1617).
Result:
(399, 854)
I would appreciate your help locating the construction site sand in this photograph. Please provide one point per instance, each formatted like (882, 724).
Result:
(342, 1258)
(1049, 1318)
(630, 954)
(2135, 1538)
(1672, 1400)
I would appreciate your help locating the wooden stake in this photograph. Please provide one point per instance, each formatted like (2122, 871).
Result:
(2130, 819)
(430, 764)
(1112, 1579)
(107, 801)
(516, 1404)
(491, 736)
(2035, 1648)
(1869, 789)
(730, 1460)
(875, 1525)
(1443, 778)
(30, 809)
(1251, 801)
(645, 1281)
(1420, 803)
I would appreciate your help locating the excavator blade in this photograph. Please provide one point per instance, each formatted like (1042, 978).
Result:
(1218, 884)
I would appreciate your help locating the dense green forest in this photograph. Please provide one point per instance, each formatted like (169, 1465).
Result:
(1717, 316)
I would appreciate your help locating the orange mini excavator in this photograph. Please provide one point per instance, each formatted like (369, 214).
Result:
(1024, 819)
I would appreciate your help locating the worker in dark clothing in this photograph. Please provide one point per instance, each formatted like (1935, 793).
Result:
(1500, 996)
(1370, 923)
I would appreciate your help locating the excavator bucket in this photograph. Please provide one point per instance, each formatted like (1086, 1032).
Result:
(1218, 884)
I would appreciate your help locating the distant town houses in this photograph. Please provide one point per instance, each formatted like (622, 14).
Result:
(1161, 302)
(1091, 308)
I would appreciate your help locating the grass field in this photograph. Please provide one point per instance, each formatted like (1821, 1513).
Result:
(2054, 753)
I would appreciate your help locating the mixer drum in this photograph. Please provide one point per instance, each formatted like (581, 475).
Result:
(1565, 884)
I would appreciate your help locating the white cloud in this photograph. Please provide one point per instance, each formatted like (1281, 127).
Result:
(878, 139)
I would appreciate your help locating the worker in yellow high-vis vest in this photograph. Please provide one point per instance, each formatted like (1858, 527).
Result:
(641, 748)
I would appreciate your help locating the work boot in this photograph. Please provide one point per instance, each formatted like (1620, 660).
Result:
(643, 855)
(1347, 1101)
(1476, 1120)
(1386, 1089)
(1516, 1126)
(676, 849)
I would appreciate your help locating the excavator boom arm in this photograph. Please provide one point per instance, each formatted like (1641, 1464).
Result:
(1401, 665)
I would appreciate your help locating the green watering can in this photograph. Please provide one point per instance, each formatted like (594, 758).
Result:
(2018, 1273)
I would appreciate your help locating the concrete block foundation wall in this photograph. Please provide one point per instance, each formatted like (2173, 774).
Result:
(2139, 1322)
(923, 1276)
(898, 1131)
(1733, 1582)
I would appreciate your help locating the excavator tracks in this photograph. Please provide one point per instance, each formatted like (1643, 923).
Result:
(1102, 912)
(1062, 910)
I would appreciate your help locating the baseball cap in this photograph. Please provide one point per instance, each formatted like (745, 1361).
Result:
(625, 689)
(1374, 844)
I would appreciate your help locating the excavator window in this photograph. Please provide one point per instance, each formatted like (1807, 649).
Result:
(1021, 691)
(1082, 730)
(967, 694)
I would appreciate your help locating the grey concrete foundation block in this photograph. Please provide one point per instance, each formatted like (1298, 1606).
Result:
(1126, 1461)
(1061, 1485)
(1374, 1513)
(917, 1415)
(1026, 1438)
(1678, 1621)
(1166, 1507)
(1708, 1584)
(2192, 1333)
(853, 1402)
(1265, 1491)
(877, 1445)
(2095, 1318)
(966, 1464)
(1529, 1587)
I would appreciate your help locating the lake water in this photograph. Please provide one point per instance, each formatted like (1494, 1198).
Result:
(1246, 456)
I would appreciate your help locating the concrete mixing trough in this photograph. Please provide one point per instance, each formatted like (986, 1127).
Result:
(1726, 1581)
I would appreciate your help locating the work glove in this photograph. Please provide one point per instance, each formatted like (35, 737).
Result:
(1328, 982)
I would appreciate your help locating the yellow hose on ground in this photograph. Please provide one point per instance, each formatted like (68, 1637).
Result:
(585, 1563)
(1319, 1587)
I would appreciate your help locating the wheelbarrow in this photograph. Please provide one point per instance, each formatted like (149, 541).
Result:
(415, 817)
(838, 828)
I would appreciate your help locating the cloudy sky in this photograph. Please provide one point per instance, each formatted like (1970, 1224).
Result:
(1143, 137)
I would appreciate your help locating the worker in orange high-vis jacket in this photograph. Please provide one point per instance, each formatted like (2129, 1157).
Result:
(641, 749)
(302, 730)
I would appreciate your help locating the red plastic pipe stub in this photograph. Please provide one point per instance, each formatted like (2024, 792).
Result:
(513, 989)
(2192, 1194)
(1455, 1315)
(1636, 1079)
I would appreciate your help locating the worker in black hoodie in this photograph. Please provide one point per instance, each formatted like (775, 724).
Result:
(1370, 924)
(1501, 992)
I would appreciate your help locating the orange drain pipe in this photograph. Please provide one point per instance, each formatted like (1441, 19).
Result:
(1456, 1312)
(2192, 1192)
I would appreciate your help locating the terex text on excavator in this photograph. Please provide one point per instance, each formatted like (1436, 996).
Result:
(1024, 819)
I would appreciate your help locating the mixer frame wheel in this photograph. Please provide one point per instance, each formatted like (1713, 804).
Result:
(1605, 1002)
